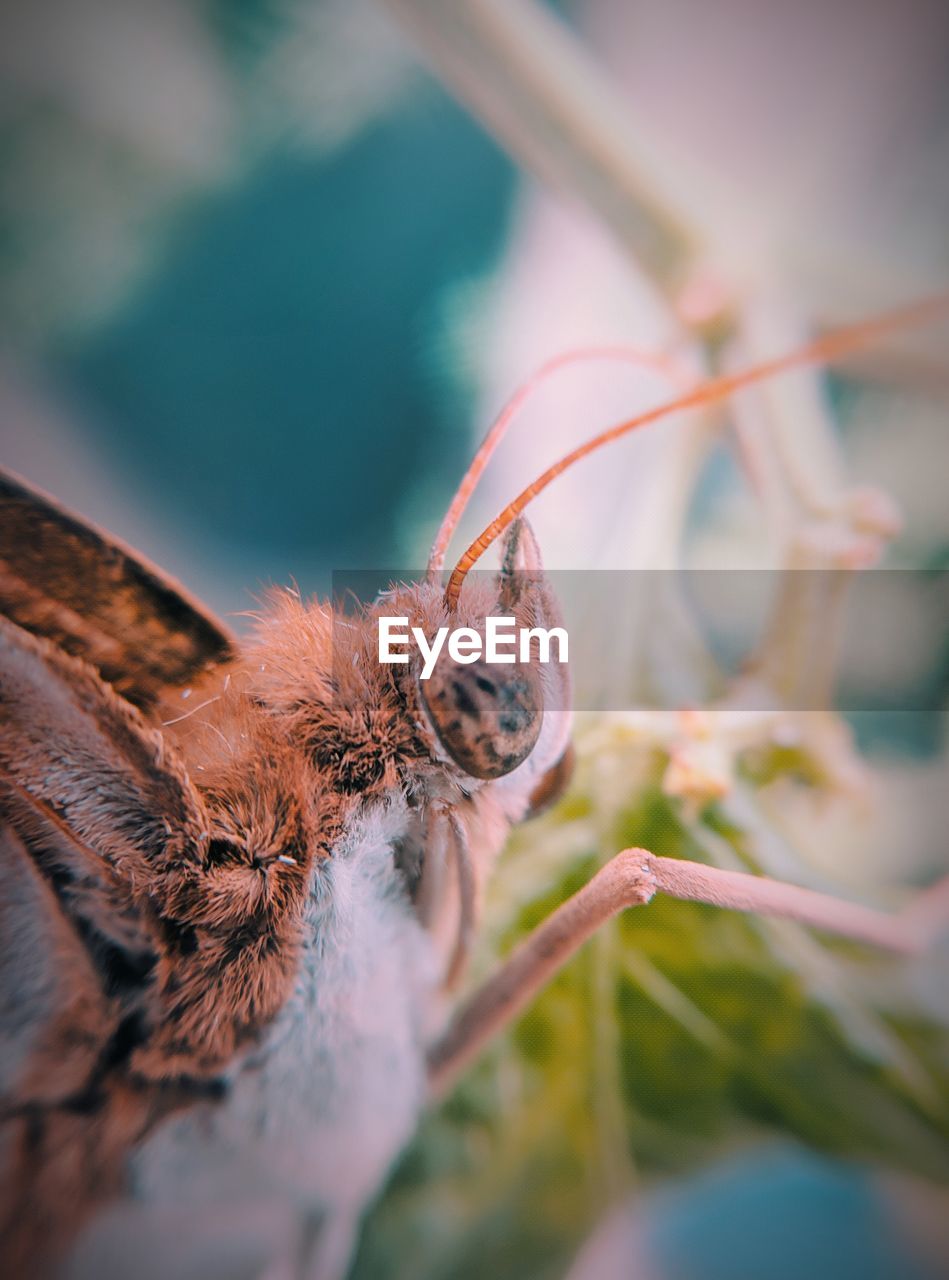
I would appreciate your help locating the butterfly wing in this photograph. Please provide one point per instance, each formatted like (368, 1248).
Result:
(95, 598)
(141, 948)
(94, 811)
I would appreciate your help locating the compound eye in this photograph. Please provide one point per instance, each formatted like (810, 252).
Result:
(488, 718)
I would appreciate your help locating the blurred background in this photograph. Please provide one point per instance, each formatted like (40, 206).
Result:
(268, 269)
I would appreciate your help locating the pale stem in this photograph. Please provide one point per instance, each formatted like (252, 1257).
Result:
(799, 653)
(794, 419)
(534, 85)
(631, 879)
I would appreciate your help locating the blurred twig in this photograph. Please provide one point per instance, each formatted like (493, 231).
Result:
(539, 91)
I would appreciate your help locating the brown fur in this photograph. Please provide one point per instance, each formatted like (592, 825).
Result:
(164, 862)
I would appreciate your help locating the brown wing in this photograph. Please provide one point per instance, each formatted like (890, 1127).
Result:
(142, 944)
(62, 1145)
(91, 811)
(62, 578)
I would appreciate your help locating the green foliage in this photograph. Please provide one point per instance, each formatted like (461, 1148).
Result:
(678, 1033)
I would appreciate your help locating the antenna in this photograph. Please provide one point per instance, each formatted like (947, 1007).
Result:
(666, 365)
(825, 349)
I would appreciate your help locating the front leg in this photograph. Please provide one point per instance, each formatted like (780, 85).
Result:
(631, 879)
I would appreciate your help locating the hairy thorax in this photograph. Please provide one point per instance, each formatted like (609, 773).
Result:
(318, 1110)
(328, 798)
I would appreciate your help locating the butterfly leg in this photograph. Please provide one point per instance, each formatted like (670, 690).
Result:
(632, 878)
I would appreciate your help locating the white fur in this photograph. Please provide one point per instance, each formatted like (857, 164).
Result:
(318, 1114)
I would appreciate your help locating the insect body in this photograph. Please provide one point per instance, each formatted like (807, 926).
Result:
(227, 887)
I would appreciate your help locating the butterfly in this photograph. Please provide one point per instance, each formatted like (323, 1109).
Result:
(240, 876)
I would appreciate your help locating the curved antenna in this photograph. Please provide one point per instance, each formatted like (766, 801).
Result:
(830, 346)
(663, 364)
